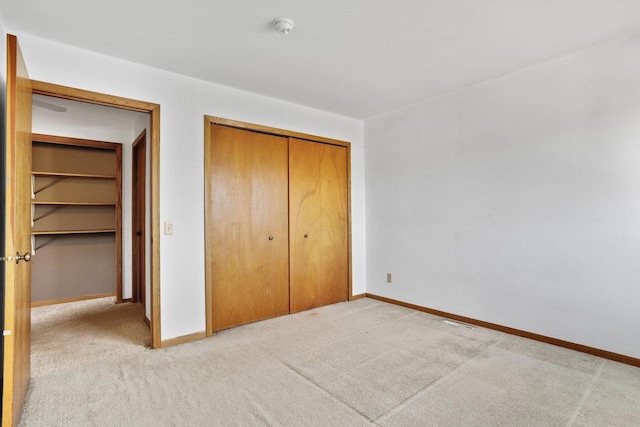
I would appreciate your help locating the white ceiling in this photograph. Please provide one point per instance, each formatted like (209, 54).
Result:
(84, 120)
(357, 58)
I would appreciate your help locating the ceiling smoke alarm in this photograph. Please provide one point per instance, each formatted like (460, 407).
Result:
(283, 25)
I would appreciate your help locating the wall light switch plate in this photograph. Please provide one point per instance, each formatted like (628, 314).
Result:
(168, 228)
(388, 277)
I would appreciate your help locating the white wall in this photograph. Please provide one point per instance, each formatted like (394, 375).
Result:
(517, 201)
(184, 102)
(97, 122)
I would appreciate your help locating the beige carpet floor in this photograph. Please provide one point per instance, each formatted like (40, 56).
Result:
(360, 363)
(73, 335)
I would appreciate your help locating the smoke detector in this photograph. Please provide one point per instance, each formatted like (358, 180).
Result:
(283, 25)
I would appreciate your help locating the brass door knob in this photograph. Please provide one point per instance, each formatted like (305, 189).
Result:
(26, 257)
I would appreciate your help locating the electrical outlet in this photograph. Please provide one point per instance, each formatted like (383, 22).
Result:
(168, 228)
(388, 277)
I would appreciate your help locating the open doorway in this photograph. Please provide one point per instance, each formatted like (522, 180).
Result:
(84, 261)
(153, 186)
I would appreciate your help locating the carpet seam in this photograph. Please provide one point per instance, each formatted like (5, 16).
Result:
(360, 309)
(586, 394)
(313, 383)
(433, 384)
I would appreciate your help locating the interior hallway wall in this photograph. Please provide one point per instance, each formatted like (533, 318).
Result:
(184, 102)
(517, 201)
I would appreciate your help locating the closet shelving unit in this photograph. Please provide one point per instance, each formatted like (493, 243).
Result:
(77, 191)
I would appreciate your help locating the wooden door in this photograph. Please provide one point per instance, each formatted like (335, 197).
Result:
(17, 272)
(248, 230)
(318, 209)
(138, 216)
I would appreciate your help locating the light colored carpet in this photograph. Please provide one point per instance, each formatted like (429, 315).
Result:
(350, 364)
(72, 335)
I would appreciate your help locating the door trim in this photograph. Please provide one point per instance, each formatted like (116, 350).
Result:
(274, 131)
(66, 92)
(212, 120)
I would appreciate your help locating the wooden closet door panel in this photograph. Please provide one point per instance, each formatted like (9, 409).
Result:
(318, 224)
(250, 272)
(231, 239)
(334, 223)
(270, 219)
(304, 220)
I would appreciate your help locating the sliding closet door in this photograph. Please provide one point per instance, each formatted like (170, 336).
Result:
(318, 215)
(249, 237)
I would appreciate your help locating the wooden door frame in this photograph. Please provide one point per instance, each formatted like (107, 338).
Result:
(65, 92)
(211, 120)
(138, 295)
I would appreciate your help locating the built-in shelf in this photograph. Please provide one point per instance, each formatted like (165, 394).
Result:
(76, 215)
(72, 175)
(73, 203)
(61, 232)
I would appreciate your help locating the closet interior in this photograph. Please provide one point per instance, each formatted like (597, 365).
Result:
(76, 219)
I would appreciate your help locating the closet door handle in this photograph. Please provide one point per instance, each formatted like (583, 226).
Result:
(306, 236)
(270, 237)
